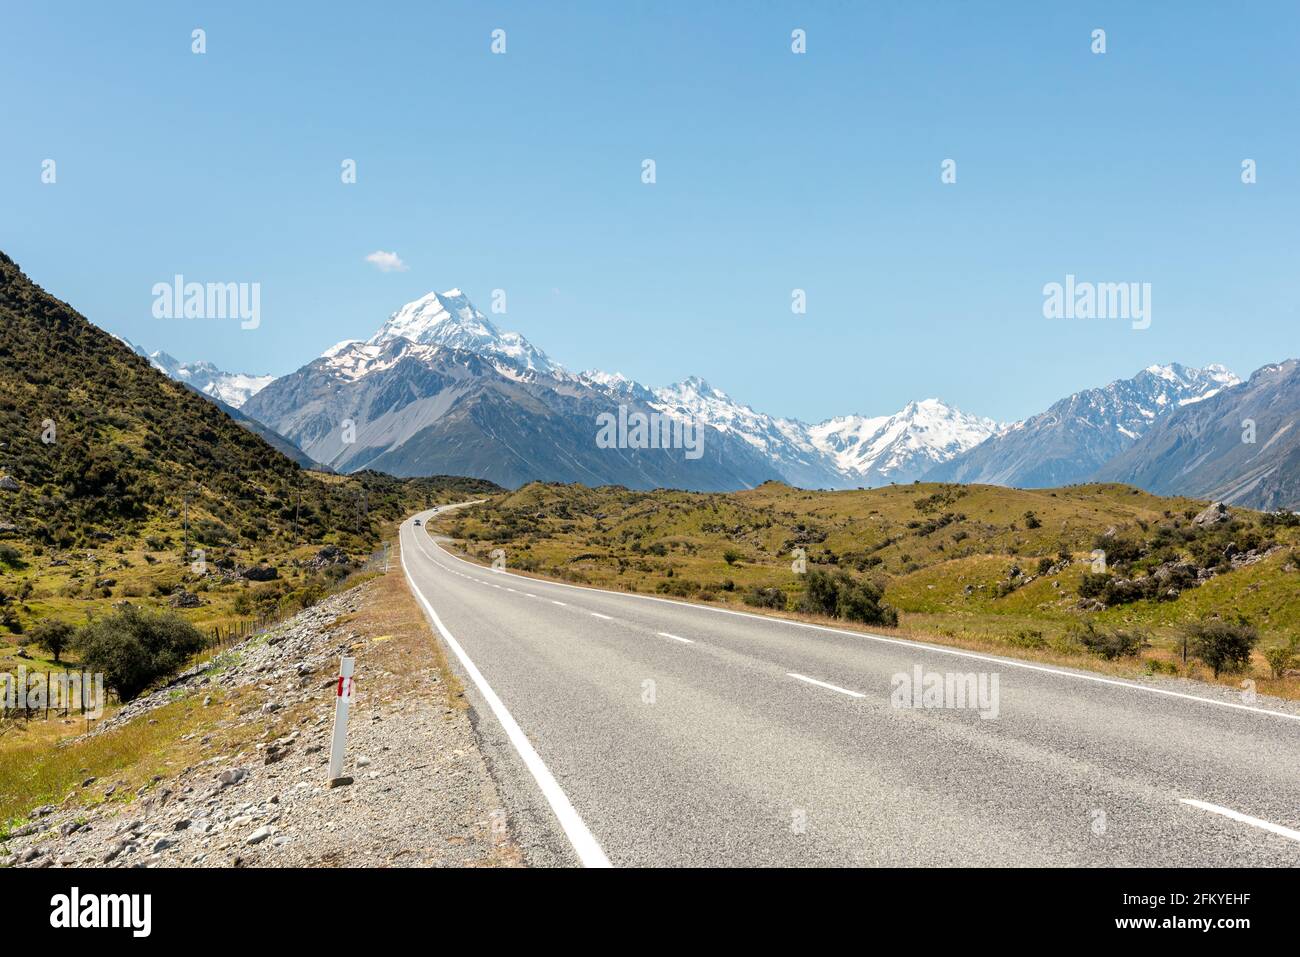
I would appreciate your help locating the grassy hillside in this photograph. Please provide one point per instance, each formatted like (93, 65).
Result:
(1003, 569)
(103, 458)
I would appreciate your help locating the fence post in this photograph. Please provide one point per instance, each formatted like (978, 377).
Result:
(342, 698)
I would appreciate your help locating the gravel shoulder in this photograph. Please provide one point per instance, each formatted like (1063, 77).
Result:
(250, 788)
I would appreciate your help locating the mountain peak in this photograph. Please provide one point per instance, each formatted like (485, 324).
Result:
(450, 319)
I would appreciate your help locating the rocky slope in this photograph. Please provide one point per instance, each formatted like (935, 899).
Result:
(267, 803)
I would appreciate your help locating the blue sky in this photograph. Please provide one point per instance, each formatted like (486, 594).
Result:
(775, 171)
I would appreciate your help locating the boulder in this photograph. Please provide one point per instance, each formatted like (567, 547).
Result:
(1213, 515)
(8, 484)
(261, 573)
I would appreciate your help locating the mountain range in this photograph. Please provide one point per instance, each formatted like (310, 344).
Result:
(439, 383)
(439, 388)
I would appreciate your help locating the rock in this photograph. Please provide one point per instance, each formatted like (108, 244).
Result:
(88, 782)
(161, 845)
(363, 761)
(184, 599)
(181, 824)
(340, 782)
(1215, 514)
(30, 855)
(45, 810)
(261, 834)
(9, 484)
(232, 776)
(67, 827)
(260, 573)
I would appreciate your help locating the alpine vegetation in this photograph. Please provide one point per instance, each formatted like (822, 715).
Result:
(653, 430)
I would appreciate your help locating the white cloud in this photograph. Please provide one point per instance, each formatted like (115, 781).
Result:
(387, 262)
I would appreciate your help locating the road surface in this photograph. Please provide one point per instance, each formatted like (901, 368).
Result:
(645, 732)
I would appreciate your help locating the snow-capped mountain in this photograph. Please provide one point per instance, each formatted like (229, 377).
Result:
(439, 388)
(450, 319)
(903, 446)
(232, 388)
(1238, 444)
(426, 409)
(1076, 436)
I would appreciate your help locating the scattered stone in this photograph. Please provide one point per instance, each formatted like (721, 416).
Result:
(340, 782)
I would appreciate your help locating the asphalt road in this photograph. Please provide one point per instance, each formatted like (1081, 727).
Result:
(644, 732)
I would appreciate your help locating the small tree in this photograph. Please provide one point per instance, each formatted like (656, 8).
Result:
(132, 648)
(731, 556)
(1223, 645)
(53, 636)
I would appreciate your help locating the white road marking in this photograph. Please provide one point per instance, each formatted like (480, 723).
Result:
(1288, 833)
(684, 641)
(905, 643)
(560, 603)
(584, 842)
(596, 614)
(823, 684)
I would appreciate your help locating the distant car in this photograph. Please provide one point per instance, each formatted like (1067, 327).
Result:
(417, 521)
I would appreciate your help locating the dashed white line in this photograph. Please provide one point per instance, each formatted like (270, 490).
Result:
(560, 603)
(823, 684)
(684, 641)
(1288, 833)
(916, 646)
(596, 614)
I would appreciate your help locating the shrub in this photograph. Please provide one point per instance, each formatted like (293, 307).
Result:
(765, 597)
(1093, 584)
(1110, 644)
(1223, 645)
(1045, 565)
(53, 635)
(1032, 520)
(1028, 638)
(841, 596)
(1282, 657)
(731, 556)
(132, 647)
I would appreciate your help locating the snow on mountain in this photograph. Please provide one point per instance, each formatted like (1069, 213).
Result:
(232, 388)
(1072, 439)
(450, 319)
(841, 452)
(902, 446)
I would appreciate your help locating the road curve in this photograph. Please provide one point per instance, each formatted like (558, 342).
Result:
(642, 732)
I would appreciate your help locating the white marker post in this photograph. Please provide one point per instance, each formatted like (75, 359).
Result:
(344, 690)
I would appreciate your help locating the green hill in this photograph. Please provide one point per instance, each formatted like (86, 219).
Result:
(103, 458)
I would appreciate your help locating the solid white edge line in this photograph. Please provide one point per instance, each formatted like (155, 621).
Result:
(906, 643)
(584, 843)
(823, 684)
(1260, 823)
(684, 641)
